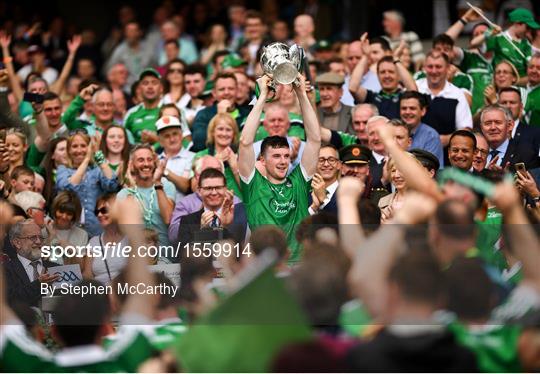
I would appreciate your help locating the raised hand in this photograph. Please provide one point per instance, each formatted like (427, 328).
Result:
(5, 41)
(350, 188)
(227, 209)
(319, 189)
(87, 92)
(74, 44)
(263, 83)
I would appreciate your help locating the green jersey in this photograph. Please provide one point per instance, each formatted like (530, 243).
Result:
(163, 336)
(284, 205)
(503, 49)
(71, 119)
(20, 353)
(139, 118)
(488, 240)
(481, 72)
(532, 107)
(495, 346)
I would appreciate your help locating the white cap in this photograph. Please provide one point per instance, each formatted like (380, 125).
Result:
(167, 121)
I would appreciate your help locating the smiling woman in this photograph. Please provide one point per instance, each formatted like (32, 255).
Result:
(83, 178)
(222, 142)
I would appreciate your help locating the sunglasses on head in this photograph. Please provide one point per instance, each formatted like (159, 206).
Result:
(78, 131)
(102, 210)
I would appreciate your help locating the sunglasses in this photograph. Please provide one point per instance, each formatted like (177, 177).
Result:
(102, 210)
(179, 71)
(78, 131)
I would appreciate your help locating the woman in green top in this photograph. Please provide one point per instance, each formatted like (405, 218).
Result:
(55, 156)
(115, 147)
(222, 142)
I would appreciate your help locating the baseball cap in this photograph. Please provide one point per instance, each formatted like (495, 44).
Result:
(232, 60)
(330, 78)
(149, 71)
(208, 87)
(355, 154)
(524, 16)
(34, 49)
(166, 122)
(323, 45)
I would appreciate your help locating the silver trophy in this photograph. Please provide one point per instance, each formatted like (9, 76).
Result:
(282, 62)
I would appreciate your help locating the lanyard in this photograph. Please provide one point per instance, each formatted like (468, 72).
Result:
(147, 210)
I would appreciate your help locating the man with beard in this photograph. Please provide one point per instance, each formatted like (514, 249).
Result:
(155, 194)
(141, 119)
(278, 199)
(27, 270)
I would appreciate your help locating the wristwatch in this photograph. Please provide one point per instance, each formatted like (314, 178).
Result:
(158, 186)
(166, 173)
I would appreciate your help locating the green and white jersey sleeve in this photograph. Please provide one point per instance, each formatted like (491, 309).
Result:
(532, 107)
(503, 49)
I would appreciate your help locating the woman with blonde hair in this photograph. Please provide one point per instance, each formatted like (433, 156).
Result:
(389, 203)
(222, 142)
(88, 174)
(504, 75)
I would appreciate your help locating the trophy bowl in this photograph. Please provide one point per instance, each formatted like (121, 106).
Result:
(281, 62)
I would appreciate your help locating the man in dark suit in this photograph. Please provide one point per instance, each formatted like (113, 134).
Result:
(496, 124)
(524, 136)
(218, 216)
(27, 270)
(325, 182)
(332, 113)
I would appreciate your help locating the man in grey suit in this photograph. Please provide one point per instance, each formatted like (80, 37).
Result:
(333, 115)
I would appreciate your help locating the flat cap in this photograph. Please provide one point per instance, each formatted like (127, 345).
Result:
(330, 78)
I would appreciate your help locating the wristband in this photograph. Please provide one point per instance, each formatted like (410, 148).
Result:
(158, 186)
(4, 89)
(7, 59)
(463, 21)
(99, 158)
(397, 61)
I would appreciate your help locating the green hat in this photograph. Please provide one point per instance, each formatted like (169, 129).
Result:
(523, 15)
(355, 154)
(149, 71)
(208, 87)
(232, 60)
(323, 45)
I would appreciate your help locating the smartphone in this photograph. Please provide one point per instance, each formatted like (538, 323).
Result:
(33, 98)
(520, 166)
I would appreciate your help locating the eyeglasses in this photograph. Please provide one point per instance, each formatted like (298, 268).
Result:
(332, 161)
(483, 152)
(179, 71)
(102, 210)
(212, 188)
(34, 238)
